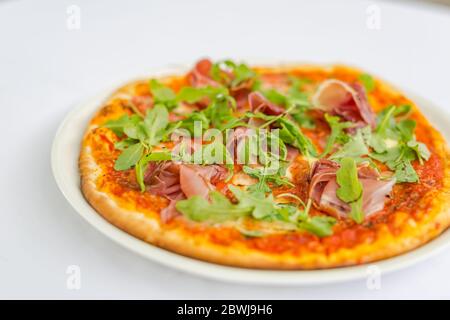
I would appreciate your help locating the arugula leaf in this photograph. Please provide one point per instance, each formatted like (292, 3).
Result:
(218, 210)
(242, 73)
(136, 131)
(219, 111)
(129, 157)
(350, 188)
(401, 110)
(404, 172)
(257, 206)
(368, 81)
(406, 129)
(264, 176)
(155, 122)
(337, 131)
(355, 148)
(251, 233)
(297, 83)
(262, 206)
(221, 70)
(142, 134)
(162, 94)
(403, 145)
(141, 165)
(295, 101)
(118, 125)
(385, 120)
(274, 96)
(319, 225)
(391, 156)
(356, 212)
(193, 95)
(189, 122)
(292, 134)
(125, 143)
(420, 149)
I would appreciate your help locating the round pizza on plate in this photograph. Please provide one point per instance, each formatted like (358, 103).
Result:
(283, 167)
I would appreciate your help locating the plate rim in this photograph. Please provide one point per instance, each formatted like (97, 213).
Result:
(72, 193)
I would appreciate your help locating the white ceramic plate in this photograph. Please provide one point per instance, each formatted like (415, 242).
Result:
(64, 157)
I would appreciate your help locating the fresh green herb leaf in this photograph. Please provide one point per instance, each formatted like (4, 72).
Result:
(162, 94)
(368, 81)
(319, 225)
(295, 101)
(125, 143)
(193, 95)
(141, 165)
(406, 129)
(257, 206)
(385, 121)
(155, 122)
(189, 122)
(275, 96)
(242, 73)
(356, 211)
(263, 206)
(403, 147)
(298, 83)
(355, 148)
(221, 70)
(337, 130)
(219, 111)
(218, 210)
(292, 134)
(402, 110)
(129, 157)
(264, 176)
(118, 125)
(137, 131)
(350, 188)
(251, 233)
(404, 172)
(420, 149)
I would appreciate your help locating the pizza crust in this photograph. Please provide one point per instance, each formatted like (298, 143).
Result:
(149, 228)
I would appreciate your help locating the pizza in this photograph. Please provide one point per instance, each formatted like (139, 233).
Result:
(282, 167)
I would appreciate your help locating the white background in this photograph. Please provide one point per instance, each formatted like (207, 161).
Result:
(47, 69)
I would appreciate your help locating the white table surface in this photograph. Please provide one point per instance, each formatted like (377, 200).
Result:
(47, 69)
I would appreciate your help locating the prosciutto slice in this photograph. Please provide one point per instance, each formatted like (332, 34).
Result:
(348, 101)
(323, 187)
(142, 103)
(163, 179)
(200, 76)
(258, 102)
(198, 180)
(178, 181)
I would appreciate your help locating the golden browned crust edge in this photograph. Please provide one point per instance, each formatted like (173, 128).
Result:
(151, 229)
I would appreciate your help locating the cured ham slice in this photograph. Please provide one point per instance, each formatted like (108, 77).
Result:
(179, 181)
(200, 76)
(259, 103)
(292, 153)
(197, 180)
(163, 179)
(142, 103)
(323, 186)
(348, 101)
